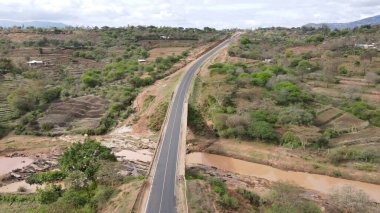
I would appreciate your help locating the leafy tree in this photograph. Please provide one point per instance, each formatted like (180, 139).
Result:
(295, 115)
(261, 78)
(85, 157)
(261, 130)
(286, 92)
(51, 94)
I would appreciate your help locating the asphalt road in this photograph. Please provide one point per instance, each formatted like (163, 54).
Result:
(162, 192)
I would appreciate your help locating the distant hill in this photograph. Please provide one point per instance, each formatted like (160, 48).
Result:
(375, 20)
(42, 24)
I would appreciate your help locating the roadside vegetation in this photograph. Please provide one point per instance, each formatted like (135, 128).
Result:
(310, 90)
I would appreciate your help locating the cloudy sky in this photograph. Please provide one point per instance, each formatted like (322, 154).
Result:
(189, 13)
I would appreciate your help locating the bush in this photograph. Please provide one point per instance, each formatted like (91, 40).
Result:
(253, 198)
(348, 199)
(342, 70)
(263, 115)
(289, 139)
(351, 154)
(295, 115)
(75, 198)
(156, 120)
(217, 186)
(46, 126)
(317, 38)
(365, 111)
(51, 94)
(91, 78)
(229, 202)
(286, 198)
(261, 130)
(44, 177)
(195, 119)
(23, 100)
(261, 78)
(286, 92)
(102, 195)
(49, 195)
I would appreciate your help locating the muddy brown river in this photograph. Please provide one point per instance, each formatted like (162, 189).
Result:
(320, 183)
(9, 164)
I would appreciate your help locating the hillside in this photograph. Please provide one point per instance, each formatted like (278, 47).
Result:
(375, 20)
(304, 100)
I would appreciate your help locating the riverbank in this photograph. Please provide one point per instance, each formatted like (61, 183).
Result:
(319, 183)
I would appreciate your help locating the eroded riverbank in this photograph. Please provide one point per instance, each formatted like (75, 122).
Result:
(320, 183)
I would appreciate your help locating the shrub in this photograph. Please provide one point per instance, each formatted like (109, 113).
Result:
(229, 202)
(286, 92)
(91, 78)
(290, 139)
(23, 100)
(50, 194)
(156, 120)
(295, 115)
(261, 78)
(21, 189)
(253, 198)
(195, 119)
(75, 198)
(337, 173)
(51, 94)
(102, 195)
(350, 154)
(317, 38)
(261, 130)
(348, 199)
(342, 70)
(263, 115)
(46, 126)
(217, 186)
(44, 177)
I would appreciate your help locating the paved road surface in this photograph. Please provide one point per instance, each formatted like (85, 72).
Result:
(162, 193)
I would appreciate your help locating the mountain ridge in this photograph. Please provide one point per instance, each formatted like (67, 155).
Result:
(374, 20)
(42, 24)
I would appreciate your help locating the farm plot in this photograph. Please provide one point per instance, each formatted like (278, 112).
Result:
(347, 123)
(78, 113)
(327, 115)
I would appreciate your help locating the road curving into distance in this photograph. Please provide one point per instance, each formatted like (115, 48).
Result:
(161, 197)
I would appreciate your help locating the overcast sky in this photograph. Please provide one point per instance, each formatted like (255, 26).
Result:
(189, 13)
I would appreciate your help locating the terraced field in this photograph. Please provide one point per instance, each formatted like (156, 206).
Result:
(77, 113)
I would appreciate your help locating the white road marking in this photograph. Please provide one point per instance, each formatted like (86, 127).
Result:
(170, 143)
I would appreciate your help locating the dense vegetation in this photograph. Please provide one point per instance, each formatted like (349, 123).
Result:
(90, 173)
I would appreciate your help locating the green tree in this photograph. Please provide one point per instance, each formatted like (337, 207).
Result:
(85, 157)
(261, 130)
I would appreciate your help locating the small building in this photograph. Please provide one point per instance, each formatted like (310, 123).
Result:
(367, 46)
(34, 62)
(141, 61)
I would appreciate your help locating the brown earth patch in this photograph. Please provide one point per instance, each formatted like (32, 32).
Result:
(78, 113)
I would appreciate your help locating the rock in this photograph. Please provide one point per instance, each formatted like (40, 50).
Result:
(16, 175)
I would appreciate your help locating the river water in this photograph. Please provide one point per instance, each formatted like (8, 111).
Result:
(320, 183)
(9, 164)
